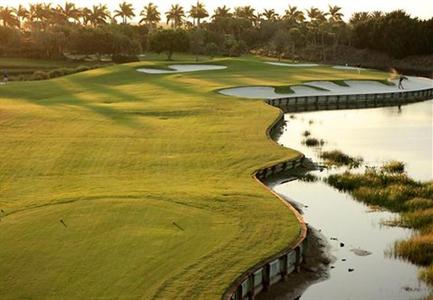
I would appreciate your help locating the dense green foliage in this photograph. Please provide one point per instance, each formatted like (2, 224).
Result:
(169, 41)
(46, 31)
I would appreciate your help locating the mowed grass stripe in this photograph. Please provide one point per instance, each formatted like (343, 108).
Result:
(119, 156)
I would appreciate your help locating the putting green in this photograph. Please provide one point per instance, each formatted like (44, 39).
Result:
(119, 184)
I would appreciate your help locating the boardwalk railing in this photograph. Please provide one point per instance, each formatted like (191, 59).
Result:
(347, 101)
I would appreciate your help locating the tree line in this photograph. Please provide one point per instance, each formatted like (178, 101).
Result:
(47, 31)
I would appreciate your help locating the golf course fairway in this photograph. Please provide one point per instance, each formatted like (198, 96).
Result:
(121, 184)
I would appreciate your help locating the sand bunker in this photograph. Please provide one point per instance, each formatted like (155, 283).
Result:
(330, 88)
(291, 65)
(255, 92)
(181, 68)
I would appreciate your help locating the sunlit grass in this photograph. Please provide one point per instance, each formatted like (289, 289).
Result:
(120, 156)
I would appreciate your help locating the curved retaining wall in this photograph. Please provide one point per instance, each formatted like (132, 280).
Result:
(275, 268)
(268, 272)
(347, 101)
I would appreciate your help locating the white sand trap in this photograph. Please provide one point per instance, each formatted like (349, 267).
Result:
(291, 65)
(255, 92)
(354, 87)
(182, 68)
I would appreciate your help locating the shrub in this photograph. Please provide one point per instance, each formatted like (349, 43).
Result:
(122, 59)
(60, 72)
(82, 68)
(39, 75)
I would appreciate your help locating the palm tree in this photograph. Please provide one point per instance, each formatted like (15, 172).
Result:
(316, 15)
(85, 14)
(317, 19)
(98, 15)
(293, 15)
(246, 12)
(151, 15)
(176, 15)
(35, 12)
(359, 17)
(222, 12)
(8, 17)
(270, 14)
(335, 14)
(198, 12)
(68, 12)
(376, 14)
(125, 11)
(46, 14)
(22, 13)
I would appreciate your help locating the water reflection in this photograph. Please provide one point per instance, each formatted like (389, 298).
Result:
(380, 134)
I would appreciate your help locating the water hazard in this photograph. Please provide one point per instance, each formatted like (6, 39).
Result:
(360, 243)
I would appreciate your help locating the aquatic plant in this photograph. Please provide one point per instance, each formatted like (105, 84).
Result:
(393, 166)
(308, 177)
(392, 188)
(313, 142)
(338, 158)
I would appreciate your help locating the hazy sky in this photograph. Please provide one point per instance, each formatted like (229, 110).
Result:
(420, 8)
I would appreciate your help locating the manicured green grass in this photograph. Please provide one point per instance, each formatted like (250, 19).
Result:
(118, 184)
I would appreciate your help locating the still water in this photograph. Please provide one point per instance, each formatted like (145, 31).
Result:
(378, 135)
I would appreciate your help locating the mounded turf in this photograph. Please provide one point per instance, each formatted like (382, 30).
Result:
(151, 176)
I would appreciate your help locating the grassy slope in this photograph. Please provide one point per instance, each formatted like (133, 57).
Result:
(119, 156)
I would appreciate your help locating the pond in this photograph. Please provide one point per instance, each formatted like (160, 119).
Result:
(360, 243)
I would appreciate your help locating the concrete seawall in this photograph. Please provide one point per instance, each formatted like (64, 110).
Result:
(274, 269)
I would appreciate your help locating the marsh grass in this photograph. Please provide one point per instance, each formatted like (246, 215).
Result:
(392, 188)
(393, 166)
(313, 142)
(339, 159)
(308, 177)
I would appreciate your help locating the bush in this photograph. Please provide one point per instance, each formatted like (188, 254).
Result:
(83, 68)
(122, 59)
(60, 72)
(39, 75)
